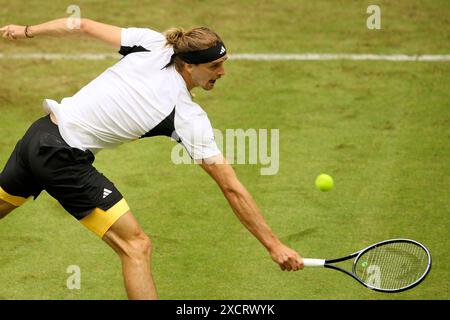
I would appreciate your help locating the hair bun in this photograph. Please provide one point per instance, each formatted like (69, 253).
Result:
(173, 35)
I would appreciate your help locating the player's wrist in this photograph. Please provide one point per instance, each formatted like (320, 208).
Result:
(273, 245)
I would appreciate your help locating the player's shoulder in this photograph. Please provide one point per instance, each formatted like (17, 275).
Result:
(145, 37)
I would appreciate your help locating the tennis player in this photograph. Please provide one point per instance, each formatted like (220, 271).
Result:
(145, 94)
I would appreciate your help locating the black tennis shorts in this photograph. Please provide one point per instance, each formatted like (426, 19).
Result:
(42, 160)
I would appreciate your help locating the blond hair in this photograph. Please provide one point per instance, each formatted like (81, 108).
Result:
(195, 39)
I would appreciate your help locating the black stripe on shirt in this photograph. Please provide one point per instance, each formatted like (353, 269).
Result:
(164, 128)
(127, 50)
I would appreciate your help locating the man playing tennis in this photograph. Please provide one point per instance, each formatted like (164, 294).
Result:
(145, 94)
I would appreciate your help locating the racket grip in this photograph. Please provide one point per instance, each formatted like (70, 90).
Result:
(313, 262)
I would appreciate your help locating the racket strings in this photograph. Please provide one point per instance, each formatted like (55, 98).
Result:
(392, 266)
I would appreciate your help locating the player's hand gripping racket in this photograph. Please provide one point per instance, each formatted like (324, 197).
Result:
(388, 266)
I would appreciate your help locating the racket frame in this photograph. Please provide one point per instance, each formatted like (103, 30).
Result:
(328, 263)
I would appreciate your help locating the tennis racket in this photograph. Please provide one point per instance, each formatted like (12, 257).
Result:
(388, 266)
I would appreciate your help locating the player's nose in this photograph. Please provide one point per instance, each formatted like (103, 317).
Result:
(221, 72)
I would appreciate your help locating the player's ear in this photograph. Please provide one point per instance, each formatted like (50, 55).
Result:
(189, 67)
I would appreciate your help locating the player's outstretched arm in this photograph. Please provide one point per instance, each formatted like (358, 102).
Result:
(248, 213)
(63, 27)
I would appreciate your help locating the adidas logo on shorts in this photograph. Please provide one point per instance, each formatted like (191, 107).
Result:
(222, 50)
(106, 192)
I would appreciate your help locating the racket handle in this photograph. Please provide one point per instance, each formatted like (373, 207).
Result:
(313, 262)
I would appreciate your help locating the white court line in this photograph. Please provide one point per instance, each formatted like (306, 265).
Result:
(342, 56)
(240, 56)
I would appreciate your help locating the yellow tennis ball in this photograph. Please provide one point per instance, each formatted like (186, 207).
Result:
(324, 182)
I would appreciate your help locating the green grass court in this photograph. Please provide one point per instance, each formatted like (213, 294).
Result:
(380, 128)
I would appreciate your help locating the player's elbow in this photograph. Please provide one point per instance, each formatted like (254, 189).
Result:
(225, 177)
(228, 189)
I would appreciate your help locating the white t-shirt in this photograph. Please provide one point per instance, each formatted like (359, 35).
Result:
(135, 98)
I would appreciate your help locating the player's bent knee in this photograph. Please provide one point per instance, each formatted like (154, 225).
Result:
(128, 239)
(137, 248)
(140, 247)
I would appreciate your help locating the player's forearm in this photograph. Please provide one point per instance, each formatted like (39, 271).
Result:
(248, 213)
(58, 27)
